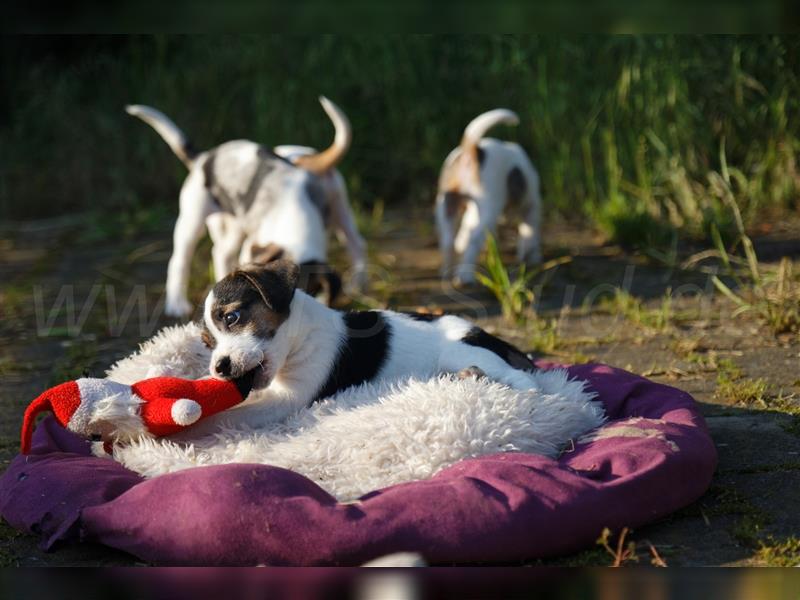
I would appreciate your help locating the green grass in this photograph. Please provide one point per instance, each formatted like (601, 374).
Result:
(8, 535)
(623, 129)
(773, 295)
(11, 365)
(779, 553)
(513, 293)
(738, 390)
(102, 227)
(742, 392)
(78, 357)
(369, 220)
(545, 338)
(735, 388)
(633, 309)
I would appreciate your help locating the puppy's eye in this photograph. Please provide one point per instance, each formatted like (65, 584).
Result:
(231, 318)
(96, 437)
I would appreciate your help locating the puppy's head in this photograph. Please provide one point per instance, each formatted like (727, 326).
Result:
(243, 317)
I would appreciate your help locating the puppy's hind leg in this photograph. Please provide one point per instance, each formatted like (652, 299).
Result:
(529, 245)
(195, 204)
(469, 360)
(226, 235)
(472, 372)
(347, 232)
(469, 241)
(448, 209)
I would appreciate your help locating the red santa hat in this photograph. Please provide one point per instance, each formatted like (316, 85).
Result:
(158, 406)
(62, 400)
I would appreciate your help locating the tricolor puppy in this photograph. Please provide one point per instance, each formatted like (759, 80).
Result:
(478, 180)
(296, 350)
(250, 198)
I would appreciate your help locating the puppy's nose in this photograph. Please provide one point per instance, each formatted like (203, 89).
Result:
(223, 366)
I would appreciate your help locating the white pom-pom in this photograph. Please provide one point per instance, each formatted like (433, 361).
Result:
(185, 411)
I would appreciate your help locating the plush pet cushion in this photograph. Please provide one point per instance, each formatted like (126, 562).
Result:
(374, 436)
(496, 507)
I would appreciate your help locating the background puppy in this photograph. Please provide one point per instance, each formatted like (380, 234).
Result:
(249, 196)
(298, 351)
(477, 180)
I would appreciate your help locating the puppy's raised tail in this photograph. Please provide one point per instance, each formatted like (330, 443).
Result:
(481, 124)
(168, 131)
(324, 161)
(468, 164)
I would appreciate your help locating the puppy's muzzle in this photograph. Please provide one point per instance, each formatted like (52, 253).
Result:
(223, 367)
(226, 368)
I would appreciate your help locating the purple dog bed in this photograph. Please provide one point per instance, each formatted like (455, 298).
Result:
(652, 458)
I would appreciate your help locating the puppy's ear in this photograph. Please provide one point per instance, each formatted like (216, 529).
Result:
(266, 254)
(275, 282)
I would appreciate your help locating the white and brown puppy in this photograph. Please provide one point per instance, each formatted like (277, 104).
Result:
(478, 180)
(297, 350)
(250, 197)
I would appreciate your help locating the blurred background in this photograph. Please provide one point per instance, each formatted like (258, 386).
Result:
(629, 133)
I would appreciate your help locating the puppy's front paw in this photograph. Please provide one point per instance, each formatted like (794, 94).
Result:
(472, 372)
(178, 308)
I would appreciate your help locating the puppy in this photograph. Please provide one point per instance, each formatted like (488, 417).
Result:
(478, 179)
(250, 197)
(296, 350)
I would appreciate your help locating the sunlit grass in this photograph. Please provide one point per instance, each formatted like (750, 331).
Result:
(512, 291)
(773, 295)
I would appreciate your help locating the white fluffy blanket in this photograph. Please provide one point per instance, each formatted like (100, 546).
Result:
(364, 438)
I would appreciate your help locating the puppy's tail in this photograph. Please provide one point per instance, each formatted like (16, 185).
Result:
(484, 122)
(167, 129)
(468, 163)
(324, 161)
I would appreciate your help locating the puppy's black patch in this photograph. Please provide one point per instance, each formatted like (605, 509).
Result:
(316, 194)
(454, 203)
(516, 184)
(362, 354)
(266, 164)
(222, 199)
(513, 356)
(481, 156)
(269, 153)
(424, 317)
(227, 200)
(190, 150)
